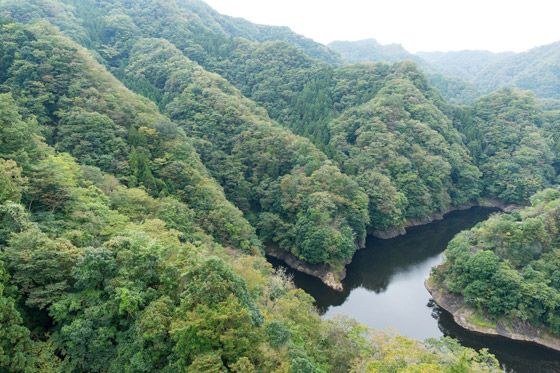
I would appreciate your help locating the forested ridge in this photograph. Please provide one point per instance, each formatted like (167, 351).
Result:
(464, 76)
(151, 150)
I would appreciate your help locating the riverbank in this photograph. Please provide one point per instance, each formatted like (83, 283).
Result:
(414, 222)
(471, 319)
(332, 277)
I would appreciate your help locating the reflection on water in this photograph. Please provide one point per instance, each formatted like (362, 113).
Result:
(384, 288)
(515, 356)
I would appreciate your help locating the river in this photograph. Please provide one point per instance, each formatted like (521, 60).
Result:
(384, 288)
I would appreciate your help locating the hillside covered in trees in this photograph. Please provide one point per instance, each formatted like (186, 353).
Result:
(507, 268)
(151, 151)
(312, 154)
(126, 255)
(319, 202)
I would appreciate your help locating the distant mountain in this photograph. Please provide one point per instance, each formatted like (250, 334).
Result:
(370, 50)
(452, 86)
(537, 69)
(466, 64)
(463, 76)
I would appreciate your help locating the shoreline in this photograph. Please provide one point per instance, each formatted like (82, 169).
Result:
(324, 272)
(415, 222)
(463, 315)
(332, 277)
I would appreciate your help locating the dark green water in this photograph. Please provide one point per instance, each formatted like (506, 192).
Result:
(384, 288)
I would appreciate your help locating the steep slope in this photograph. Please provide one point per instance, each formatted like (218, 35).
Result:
(301, 94)
(512, 141)
(306, 97)
(85, 111)
(95, 276)
(259, 164)
(299, 199)
(199, 31)
(353, 115)
(404, 152)
(136, 274)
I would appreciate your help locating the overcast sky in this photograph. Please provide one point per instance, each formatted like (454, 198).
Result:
(419, 25)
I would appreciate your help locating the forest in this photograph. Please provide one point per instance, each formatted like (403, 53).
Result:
(508, 266)
(152, 151)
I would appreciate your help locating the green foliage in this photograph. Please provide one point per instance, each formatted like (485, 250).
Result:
(85, 111)
(384, 127)
(454, 89)
(12, 183)
(53, 178)
(90, 137)
(14, 339)
(127, 255)
(373, 142)
(396, 353)
(223, 327)
(253, 158)
(505, 134)
(18, 139)
(40, 266)
(212, 282)
(13, 219)
(506, 266)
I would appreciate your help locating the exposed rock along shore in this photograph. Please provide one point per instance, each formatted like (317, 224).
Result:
(516, 329)
(333, 277)
(329, 275)
(414, 222)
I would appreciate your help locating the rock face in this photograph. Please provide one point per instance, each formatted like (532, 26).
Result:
(330, 276)
(413, 222)
(515, 329)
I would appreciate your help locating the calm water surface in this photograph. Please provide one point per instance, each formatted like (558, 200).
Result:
(384, 288)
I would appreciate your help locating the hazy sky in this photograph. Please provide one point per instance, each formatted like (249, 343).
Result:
(419, 25)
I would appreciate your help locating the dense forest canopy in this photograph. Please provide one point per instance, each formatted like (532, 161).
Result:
(509, 266)
(129, 257)
(150, 151)
(513, 142)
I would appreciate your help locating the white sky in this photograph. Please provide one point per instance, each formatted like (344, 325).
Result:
(419, 25)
